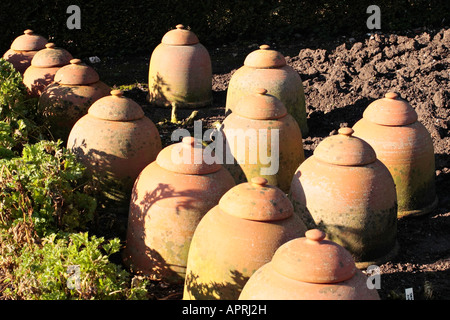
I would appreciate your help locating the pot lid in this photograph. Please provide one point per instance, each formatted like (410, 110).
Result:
(313, 259)
(180, 36)
(260, 106)
(51, 56)
(29, 41)
(186, 157)
(76, 73)
(390, 111)
(256, 200)
(265, 58)
(116, 107)
(345, 149)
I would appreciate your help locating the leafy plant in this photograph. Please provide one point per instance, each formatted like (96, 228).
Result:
(45, 271)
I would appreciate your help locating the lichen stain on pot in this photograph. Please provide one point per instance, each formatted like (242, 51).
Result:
(180, 71)
(168, 201)
(236, 237)
(345, 190)
(390, 125)
(261, 127)
(115, 141)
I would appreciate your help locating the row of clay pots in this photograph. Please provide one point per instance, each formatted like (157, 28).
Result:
(66, 87)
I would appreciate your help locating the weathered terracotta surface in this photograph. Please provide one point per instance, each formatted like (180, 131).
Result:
(309, 268)
(75, 88)
(116, 141)
(43, 68)
(168, 201)
(180, 71)
(344, 190)
(23, 49)
(237, 237)
(390, 125)
(267, 68)
(257, 117)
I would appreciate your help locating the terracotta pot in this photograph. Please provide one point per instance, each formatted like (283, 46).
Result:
(347, 192)
(250, 129)
(309, 268)
(44, 66)
(267, 68)
(75, 88)
(168, 201)
(23, 49)
(180, 71)
(237, 237)
(115, 141)
(405, 146)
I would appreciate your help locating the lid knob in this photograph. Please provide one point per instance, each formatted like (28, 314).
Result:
(117, 93)
(28, 32)
(50, 45)
(259, 181)
(261, 91)
(264, 47)
(346, 131)
(75, 61)
(315, 235)
(391, 95)
(179, 26)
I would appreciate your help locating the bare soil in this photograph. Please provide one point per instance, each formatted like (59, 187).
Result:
(340, 79)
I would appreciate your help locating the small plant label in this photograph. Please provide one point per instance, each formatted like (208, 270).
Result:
(409, 295)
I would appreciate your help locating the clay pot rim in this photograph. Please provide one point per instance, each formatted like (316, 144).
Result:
(29, 41)
(85, 75)
(64, 58)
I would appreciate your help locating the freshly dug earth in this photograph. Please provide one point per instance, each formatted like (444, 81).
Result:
(340, 79)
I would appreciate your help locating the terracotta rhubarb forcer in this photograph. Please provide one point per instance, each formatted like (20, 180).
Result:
(23, 49)
(267, 68)
(344, 190)
(180, 71)
(115, 141)
(309, 268)
(251, 142)
(169, 198)
(44, 66)
(237, 237)
(75, 88)
(405, 146)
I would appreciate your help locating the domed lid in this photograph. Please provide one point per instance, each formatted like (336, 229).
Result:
(313, 259)
(345, 150)
(260, 106)
(76, 73)
(390, 111)
(29, 41)
(265, 58)
(180, 37)
(256, 200)
(116, 107)
(51, 56)
(186, 157)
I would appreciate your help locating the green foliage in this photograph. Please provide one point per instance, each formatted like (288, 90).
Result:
(46, 183)
(44, 271)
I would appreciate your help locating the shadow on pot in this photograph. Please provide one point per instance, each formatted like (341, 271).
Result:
(195, 290)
